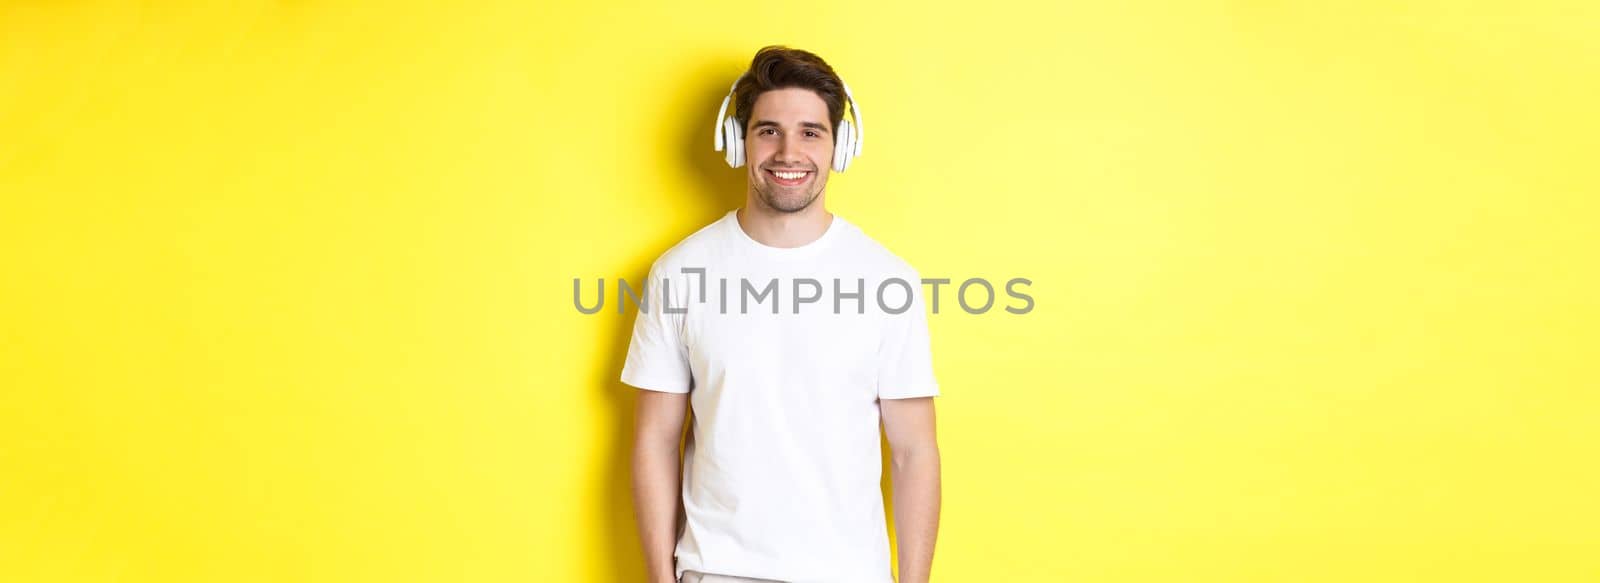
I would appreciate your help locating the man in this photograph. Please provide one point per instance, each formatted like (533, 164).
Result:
(787, 384)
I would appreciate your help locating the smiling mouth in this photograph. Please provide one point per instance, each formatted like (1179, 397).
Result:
(789, 177)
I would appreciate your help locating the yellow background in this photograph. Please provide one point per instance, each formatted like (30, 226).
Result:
(286, 285)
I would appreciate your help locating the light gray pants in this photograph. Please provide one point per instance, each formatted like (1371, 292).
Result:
(697, 577)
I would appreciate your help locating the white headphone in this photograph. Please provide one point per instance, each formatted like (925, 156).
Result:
(846, 144)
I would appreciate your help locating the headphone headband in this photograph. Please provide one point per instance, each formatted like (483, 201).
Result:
(855, 114)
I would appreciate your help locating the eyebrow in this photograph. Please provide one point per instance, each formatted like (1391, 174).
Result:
(804, 124)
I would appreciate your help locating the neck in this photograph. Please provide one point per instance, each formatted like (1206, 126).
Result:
(779, 229)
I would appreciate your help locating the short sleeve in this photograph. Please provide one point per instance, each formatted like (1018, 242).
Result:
(657, 357)
(905, 355)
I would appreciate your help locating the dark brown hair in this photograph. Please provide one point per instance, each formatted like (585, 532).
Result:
(780, 67)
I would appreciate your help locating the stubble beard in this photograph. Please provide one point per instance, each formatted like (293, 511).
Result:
(786, 201)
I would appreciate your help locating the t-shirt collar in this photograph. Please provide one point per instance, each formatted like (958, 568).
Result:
(743, 239)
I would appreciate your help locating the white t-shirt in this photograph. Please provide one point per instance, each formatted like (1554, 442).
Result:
(782, 469)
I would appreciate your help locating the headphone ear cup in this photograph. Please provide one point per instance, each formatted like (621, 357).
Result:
(850, 151)
(733, 141)
(842, 146)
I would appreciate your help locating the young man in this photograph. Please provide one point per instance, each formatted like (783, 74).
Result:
(788, 383)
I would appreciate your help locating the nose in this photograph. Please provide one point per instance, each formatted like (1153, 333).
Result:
(788, 150)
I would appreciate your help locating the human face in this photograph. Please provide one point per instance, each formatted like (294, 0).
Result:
(789, 143)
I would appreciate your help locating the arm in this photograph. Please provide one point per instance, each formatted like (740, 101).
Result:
(658, 427)
(909, 426)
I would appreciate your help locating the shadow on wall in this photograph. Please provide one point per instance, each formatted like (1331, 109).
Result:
(719, 190)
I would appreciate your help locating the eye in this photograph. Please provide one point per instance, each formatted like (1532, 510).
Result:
(813, 134)
(766, 132)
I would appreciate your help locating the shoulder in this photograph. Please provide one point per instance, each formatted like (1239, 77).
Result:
(692, 251)
(876, 256)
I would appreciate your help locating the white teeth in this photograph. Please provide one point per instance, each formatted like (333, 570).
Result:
(789, 175)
